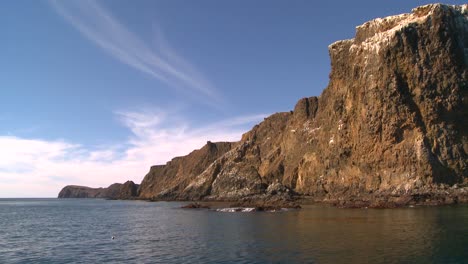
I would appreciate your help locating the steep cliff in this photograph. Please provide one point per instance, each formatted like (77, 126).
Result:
(127, 190)
(391, 123)
(169, 180)
(389, 129)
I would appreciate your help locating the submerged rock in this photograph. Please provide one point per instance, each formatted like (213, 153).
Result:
(195, 206)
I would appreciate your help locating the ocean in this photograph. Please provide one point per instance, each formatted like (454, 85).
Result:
(81, 231)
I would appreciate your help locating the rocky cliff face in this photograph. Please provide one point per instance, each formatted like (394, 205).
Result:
(390, 127)
(392, 122)
(127, 190)
(169, 181)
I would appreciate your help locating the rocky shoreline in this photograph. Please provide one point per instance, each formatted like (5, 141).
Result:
(276, 201)
(429, 196)
(434, 196)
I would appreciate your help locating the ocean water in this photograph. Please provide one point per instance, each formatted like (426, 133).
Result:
(81, 230)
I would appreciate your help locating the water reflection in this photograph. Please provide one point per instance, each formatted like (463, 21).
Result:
(367, 236)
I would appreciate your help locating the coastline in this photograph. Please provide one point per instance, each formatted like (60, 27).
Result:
(433, 195)
(441, 196)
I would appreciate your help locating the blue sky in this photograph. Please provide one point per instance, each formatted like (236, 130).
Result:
(95, 92)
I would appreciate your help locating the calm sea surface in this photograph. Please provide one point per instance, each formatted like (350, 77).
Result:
(80, 231)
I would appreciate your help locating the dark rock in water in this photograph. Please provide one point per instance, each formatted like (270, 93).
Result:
(389, 129)
(128, 190)
(195, 206)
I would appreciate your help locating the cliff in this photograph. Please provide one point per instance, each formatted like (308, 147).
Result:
(391, 123)
(168, 181)
(127, 190)
(389, 129)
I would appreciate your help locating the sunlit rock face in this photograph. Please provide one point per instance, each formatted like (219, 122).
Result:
(391, 123)
(393, 116)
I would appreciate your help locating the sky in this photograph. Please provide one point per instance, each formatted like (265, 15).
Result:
(95, 92)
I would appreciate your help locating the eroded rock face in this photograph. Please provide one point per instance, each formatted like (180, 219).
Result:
(392, 121)
(393, 114)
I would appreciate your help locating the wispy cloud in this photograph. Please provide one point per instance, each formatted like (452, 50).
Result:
(35, 167)
(98, 25)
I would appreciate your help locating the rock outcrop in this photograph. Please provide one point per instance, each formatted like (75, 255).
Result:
(127, 190)
(390, 128)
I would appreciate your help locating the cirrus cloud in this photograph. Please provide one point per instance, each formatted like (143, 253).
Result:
(162, 62)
